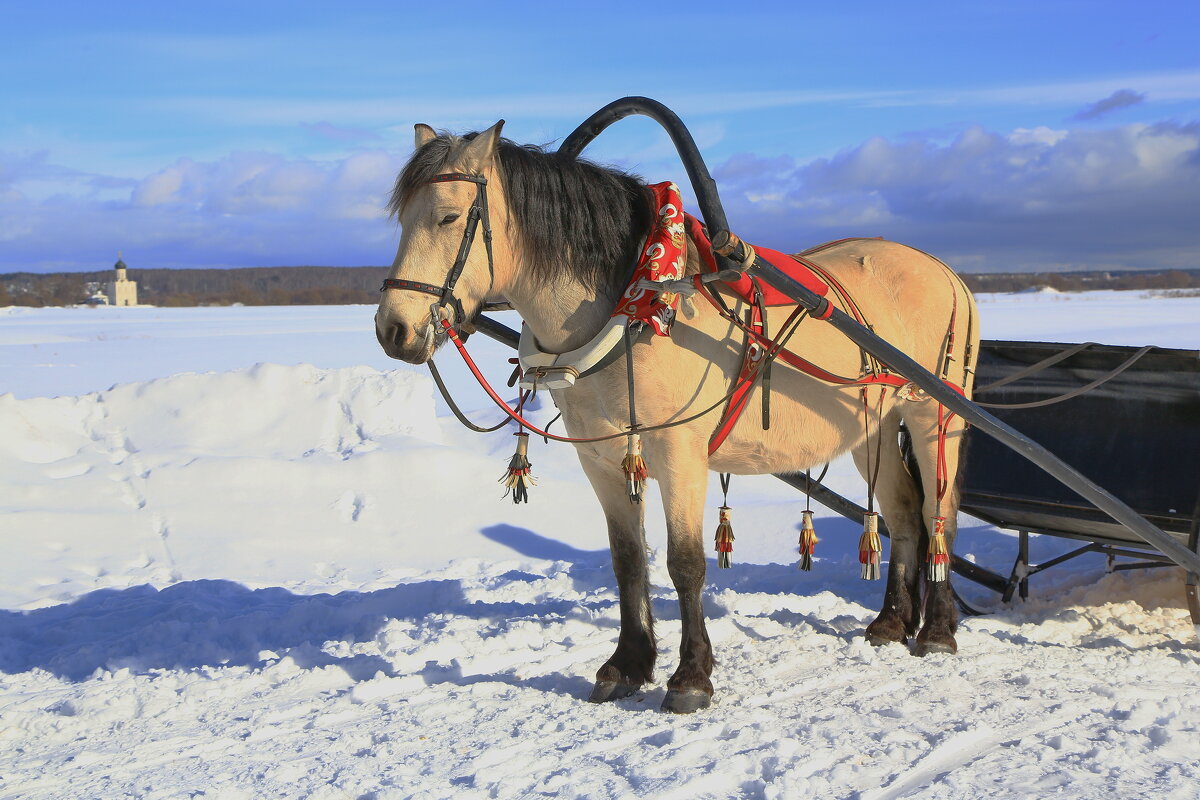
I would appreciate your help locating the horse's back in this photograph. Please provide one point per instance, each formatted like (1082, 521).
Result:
(905, 294)
(877, 261)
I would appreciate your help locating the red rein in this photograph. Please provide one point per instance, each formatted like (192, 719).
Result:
(497, 399)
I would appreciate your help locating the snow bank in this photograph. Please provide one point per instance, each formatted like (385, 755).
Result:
(168, 478)
(270, 411)
(266, 411)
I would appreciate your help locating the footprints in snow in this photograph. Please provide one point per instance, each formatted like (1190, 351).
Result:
(132, 474)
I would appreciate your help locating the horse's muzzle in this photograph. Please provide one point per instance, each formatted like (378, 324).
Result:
(401, 342)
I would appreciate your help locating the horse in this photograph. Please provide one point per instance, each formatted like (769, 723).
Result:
(562, 237)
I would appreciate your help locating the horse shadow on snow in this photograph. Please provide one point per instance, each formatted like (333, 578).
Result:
(217, 623)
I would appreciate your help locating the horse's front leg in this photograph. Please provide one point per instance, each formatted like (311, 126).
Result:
(633, 662)
(683, 478)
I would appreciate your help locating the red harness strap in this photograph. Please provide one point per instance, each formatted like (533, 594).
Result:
(758, 345)
(751, 362)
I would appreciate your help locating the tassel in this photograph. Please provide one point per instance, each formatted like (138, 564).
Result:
(808, 541)
(634, 467)
(869, 547)
(518, 478)
(939, 554)
(725, 539)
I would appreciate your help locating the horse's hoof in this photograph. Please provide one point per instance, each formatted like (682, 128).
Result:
(887, 628)
(685, 701)
(604, 691)
(879, 641)
(929, 645)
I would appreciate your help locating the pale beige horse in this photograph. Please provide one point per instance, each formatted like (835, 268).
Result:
(541, 202)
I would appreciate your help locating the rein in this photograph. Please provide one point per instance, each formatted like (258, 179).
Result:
(520, 420)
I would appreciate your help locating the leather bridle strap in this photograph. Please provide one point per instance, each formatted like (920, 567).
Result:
(477, 213)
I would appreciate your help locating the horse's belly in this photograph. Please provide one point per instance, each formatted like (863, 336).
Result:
(802, 433)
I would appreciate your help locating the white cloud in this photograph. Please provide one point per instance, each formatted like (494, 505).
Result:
(1038, 135)
(251, 183)
(1121, 197)
(242, 210)
(1025, 199)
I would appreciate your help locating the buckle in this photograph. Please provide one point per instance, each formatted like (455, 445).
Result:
(549, 377)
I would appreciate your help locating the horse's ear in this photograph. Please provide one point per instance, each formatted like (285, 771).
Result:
(482, 148)
(424, 134)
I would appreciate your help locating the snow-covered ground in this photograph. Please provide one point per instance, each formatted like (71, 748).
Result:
(246, 556)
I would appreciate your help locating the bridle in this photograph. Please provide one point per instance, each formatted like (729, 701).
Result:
(445, 292)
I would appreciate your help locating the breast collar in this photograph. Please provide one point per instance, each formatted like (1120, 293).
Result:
(543, 370)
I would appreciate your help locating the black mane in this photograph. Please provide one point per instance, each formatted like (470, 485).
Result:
(568, 214)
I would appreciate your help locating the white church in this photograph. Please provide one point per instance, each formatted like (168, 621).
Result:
(121, 291)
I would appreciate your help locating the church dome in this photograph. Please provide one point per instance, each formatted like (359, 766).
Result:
(120, 264)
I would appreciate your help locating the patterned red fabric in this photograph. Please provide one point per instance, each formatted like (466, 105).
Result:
(662, 259)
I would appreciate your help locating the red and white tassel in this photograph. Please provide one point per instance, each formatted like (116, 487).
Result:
(939, 553)
(869, 547)
(518, 478)
(725, 539)
(808, 540)
(634, 467)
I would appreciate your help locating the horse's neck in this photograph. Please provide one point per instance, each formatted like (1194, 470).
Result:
(562, 315)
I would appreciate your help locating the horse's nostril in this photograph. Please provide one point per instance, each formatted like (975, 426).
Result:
(399, 334)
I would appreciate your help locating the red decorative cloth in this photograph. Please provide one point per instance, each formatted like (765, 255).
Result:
(662, 259)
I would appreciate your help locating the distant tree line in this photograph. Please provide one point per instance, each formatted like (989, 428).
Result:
(252, 286)
(1083, 281)
(287, 286)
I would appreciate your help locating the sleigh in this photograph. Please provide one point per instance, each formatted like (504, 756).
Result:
(1131, 423)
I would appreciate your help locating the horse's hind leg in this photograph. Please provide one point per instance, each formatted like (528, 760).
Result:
(633, 662)
(899, 497)
(941, 613)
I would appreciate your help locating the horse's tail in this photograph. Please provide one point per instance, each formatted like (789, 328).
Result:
(914, 470)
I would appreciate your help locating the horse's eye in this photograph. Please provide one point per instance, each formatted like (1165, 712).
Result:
(446, 220)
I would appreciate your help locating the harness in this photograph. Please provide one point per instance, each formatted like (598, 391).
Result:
(757, 339)
(561, 370)
(445, 293)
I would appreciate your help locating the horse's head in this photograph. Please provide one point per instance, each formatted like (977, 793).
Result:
(444, 267)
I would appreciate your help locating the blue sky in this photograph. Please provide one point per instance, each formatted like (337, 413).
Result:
(1003, 135)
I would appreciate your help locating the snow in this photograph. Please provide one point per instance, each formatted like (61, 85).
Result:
(246, 556)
